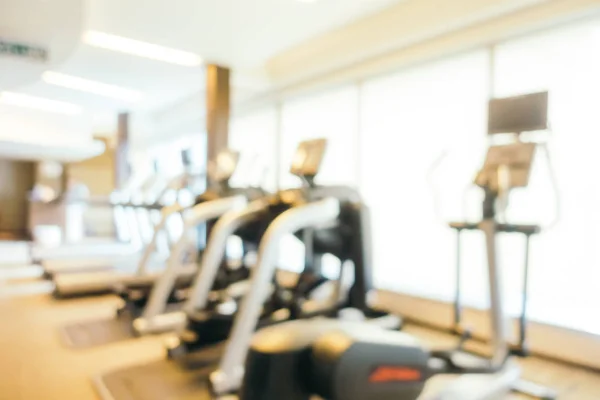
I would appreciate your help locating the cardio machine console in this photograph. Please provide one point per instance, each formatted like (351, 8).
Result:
(526, 113)
(516, 160)
(510, 165)
(308, 158)
(226, 163)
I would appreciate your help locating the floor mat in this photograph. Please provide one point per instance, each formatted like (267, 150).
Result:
(93, 333)
(184, 379)
(99, 332)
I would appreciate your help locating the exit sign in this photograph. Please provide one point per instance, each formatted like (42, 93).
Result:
(23, 50)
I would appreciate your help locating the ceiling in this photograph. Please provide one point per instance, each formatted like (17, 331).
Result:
(242, 34)
(35, 22)
(238, 33)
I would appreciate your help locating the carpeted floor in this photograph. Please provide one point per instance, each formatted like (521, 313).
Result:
(35, 365)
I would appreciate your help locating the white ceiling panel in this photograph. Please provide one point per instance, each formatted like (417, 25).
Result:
(241, 34)
(57, 152)
(54, 26)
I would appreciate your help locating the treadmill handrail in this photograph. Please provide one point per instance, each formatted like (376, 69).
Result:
(228, 376)
(193, 217)
(215, 249)
(166, 212)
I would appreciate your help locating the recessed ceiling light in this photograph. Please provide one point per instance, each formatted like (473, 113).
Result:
(141, 49)
(39, 103)
(86, 85)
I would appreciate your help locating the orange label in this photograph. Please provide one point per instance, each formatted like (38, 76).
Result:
(395, 374)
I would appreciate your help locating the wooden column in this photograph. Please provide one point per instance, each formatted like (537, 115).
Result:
(217, 109)
(122, 169)
(16, 180)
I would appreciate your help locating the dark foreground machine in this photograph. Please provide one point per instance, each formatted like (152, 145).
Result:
(336, 360)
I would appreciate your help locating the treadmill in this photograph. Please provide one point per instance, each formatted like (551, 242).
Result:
(131, 226)
(210, 364)
(151, 264)
(151, 295)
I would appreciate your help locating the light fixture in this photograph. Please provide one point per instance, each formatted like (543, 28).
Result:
(39, 103)
(86, 85)
(141, 49)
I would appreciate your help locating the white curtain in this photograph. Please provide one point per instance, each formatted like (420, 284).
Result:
(331, 115)
(422, 138)
(254, 135)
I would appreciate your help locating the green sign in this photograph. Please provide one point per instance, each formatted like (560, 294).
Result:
(22, 50)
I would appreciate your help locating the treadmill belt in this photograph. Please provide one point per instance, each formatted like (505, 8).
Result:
(98, 332)
(184, 379)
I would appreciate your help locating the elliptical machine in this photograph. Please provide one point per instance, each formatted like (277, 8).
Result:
(348, 361)
(157, 213)
(517, 114)
(151, 298)
(346, 239)
(148, 293)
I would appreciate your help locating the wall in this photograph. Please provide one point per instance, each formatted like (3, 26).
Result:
(98, 174)
(24, 126)
(16, 180)
(408, 34)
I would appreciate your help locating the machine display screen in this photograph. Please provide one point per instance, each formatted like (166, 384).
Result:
(518, 114)
(517, 159)
(224, 166)
(308, 157)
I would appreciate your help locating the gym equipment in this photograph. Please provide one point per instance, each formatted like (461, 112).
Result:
(217, 202)
(517, 114)
(344, 240)
(131, 224)
(143, 268)
(228, 282)
(337, 361)
(151, 295)
(249, 225)
(336, 223)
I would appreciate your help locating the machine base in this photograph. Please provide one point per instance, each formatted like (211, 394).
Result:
(96, 283)
(94, 333)
(183, 379)
(473, 386)
(109, 330)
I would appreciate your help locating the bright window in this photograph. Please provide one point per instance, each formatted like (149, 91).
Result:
(410, 120)
(565, 259)
(331, 115)
(254, 136)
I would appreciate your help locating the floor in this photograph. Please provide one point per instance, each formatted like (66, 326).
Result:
(34, 364)
(570, 382)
